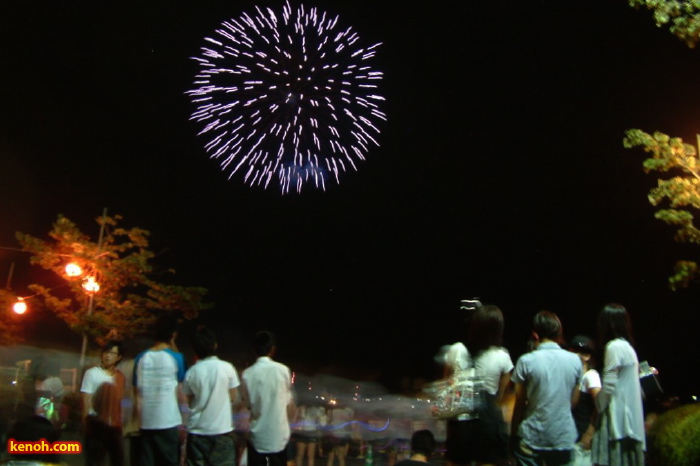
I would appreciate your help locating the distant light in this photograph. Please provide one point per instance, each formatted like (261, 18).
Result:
(20, 307)
(695, 398)
(91, 285)
(73, 270)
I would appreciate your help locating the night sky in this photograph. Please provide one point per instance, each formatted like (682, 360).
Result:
(501, 174)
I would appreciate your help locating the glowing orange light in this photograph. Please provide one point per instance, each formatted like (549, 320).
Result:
(91, 285)
(73, 270)
(20, 307)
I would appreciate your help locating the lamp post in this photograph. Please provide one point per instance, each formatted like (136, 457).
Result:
(90, 285)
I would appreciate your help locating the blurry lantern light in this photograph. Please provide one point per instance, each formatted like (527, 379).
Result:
(73, 270)
(90, 285)
(20, 307)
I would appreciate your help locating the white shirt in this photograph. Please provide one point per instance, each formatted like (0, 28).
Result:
(269, 391)
(591, 379)
(210, 381)
(621, 394)
(491, 364)
(93, 378)
(157, 373)
(457, 357)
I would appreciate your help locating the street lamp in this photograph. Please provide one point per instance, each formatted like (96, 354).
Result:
(20, 307)
(73, 270)
(90, 285)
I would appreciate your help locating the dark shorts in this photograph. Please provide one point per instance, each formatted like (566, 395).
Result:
(103, 441)
(482, 440)
(527, 457)
(255, 458)
(211, 449)
(160, 447)
(309, 437)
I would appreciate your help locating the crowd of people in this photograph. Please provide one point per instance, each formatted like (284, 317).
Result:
(565, 411)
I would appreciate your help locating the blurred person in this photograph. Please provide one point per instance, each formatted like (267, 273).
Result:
(547, 384)
(211, 388)
(33, 429)
(422, 448)
(102, 392)
(482, 439)
(48, 386)
(158, 373)
(267, 392)
(307, 433)
(620, 437)
(585, 415)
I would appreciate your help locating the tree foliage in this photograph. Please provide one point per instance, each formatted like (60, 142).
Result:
(129, 298)
(683, 16)
(680, 192)
(10, 328)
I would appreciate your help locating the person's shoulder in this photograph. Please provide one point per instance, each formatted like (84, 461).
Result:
(618, 344)
(92, 371)
(176, 354)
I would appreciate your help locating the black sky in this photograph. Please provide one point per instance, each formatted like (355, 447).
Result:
(501, 172)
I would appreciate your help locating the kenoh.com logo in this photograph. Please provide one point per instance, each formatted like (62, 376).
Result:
(42, 446)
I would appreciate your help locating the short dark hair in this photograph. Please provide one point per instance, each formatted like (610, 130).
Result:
(614, 322)
(485, 328)
(204, 342)
(263, 342)
(547, 325)
(423, 442)
(164, 328)
(113, 344)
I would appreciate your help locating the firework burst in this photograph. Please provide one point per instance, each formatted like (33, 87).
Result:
(292, 96)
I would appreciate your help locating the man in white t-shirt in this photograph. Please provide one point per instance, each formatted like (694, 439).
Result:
(210, 386)
(158, 372)
(102, 392)
(267, 392)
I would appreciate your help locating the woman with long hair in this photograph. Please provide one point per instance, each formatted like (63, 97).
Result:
(483, 440)
(620, 437)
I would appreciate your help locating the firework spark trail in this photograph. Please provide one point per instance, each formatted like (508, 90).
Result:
(292, 96)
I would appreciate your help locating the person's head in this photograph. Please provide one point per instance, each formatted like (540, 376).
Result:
(585, 348)
(34, 429)
(165, 328)
(204, 342)
(112, 353)
(547, 326)
(264, 343)
(423, 442)
(43, 367)
(485, 328)
(614, 322)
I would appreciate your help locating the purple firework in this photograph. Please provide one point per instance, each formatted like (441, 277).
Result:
(293, 96)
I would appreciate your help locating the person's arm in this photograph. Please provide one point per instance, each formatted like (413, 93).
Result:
(503, 384)
(610, 377)
(518, 409)
(233, 394)
(575, 395)
(587, 436)
(245, 397)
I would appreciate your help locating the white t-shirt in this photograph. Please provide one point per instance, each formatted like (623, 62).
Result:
(491, 364)
(210, 381)
(270, 392)
(93, 378)
(457, 357)
(591, 379)
(157, 380)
